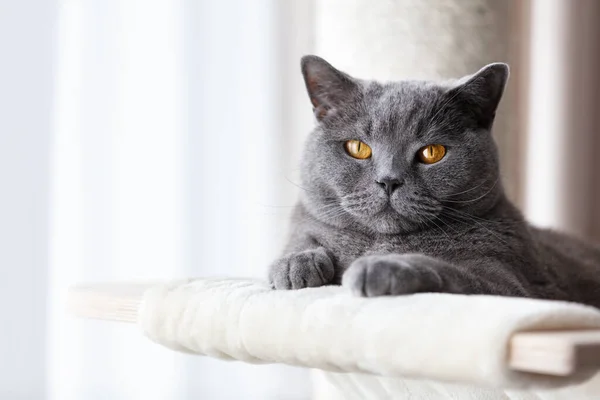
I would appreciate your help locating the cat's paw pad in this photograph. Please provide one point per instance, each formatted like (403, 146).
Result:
(309, 268)
(392, 274)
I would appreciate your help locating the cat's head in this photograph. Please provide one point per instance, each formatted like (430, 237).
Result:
(393, 157)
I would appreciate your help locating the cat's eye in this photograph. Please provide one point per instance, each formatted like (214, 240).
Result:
(358, 149)
(431, 153)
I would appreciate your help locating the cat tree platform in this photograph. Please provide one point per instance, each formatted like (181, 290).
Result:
(486, 341)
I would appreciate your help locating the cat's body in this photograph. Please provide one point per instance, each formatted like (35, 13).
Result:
(441, 227)
(516, 259)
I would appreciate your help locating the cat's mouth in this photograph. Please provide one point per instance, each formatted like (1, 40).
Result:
(387, 209)
(398, 217)
(383, 214)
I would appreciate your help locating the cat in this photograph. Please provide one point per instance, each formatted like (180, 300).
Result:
(402, 194)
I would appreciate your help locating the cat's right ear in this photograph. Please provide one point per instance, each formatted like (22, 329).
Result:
(328, 88)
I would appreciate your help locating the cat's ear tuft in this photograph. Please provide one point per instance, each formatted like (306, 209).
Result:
(483, 91)
(328, 88)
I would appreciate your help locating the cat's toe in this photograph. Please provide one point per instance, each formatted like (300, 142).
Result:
(309, 268)
(392, 274)
(367, 277)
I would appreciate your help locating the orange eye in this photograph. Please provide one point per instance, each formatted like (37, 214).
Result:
(431, 153)
(358, 149)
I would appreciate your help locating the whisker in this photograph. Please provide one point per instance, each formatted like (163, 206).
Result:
(478, 198)
(433, 222)
(298, 186)
(489, 221)
(330, 211)
(458, 233)
(487, 229)
(466, 191)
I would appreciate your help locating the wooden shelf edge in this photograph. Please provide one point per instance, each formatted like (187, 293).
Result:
(558, 353)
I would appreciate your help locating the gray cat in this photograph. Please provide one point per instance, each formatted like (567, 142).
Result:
(402, 194)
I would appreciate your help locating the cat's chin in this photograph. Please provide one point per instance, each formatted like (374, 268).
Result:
(391, 224)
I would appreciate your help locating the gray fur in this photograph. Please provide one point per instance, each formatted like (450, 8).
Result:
(449, 227)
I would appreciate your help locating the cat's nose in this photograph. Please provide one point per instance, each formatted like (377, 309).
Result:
(390, 184)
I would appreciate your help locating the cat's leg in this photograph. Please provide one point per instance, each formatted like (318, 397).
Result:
(397, 274)
(308, 265)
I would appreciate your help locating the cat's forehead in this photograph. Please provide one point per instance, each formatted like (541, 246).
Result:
(400, 107)
(403, 93)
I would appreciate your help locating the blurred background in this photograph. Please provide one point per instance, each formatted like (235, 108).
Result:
(158, 139)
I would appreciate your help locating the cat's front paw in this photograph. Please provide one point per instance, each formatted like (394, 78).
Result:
(309, 268)
(393, 274)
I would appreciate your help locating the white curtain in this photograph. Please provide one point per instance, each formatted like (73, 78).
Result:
(26, 84)
(171, 159)
(562, 133)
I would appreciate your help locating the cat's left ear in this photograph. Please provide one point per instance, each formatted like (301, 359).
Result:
(482, 92)
(328, 89)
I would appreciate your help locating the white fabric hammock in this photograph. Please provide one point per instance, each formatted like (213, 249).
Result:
(488, 341)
